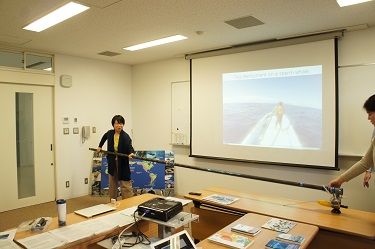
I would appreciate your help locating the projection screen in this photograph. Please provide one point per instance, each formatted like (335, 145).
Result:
(274, 106)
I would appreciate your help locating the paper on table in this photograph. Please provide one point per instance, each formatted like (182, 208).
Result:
(8, 244)
(118, 219)
(129, 211)
(97, 226)
(6, 239)
(72, 233)
(183, 201)
(42, 240)
(8, 235)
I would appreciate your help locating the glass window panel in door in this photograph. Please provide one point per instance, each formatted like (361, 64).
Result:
(25, 145)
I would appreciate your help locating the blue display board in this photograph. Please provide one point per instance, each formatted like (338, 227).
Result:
(104, 174)
(146, 175)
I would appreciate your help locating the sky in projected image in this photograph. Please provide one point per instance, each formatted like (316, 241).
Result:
(279, 108)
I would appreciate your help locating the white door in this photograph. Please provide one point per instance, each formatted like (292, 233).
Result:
(26, 132)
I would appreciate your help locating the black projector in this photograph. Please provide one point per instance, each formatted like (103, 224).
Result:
(159, 209)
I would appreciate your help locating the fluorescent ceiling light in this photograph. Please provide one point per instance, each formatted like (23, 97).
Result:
(344, 3)
(67, 11)
(156, 42)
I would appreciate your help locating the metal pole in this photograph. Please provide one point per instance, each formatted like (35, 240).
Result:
(297, 184)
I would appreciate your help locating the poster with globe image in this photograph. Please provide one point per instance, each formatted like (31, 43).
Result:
(152, 175)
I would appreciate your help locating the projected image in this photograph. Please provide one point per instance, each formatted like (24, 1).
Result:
(279, 108)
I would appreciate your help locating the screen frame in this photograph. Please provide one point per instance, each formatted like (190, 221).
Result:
(335, 149)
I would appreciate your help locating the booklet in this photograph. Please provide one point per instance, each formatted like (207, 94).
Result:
(279, 225)
(290, 238)
(221, 199)
(275, 244)
(252, 231)
(231, 239)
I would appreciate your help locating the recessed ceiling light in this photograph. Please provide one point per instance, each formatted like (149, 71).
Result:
(156, 42)
(57, 16)
(344, 3)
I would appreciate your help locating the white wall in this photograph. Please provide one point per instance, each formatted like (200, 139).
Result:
(152, 104)
(152, 126)
(356, 85)
(100, 90)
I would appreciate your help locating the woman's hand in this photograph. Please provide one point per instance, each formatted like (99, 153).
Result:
(336, 183)
(366, 179)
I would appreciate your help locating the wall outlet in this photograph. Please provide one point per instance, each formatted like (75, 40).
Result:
(86, 181)
(67, 184)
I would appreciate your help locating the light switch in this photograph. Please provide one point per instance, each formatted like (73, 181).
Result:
(65, 120)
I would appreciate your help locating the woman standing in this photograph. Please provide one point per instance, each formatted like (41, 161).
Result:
(118, 141)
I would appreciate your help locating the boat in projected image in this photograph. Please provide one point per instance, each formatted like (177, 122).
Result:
(269, 131)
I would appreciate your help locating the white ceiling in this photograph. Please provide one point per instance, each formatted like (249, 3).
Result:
(110, 25)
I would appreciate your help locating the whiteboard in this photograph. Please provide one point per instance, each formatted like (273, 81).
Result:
(356, 85)
(180, 134)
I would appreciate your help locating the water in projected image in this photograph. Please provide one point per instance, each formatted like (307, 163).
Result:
(281, 112)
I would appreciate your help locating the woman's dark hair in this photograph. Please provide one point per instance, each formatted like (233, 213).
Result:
(120, 119)
(369, 105)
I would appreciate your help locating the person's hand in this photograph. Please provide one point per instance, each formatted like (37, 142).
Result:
(98, 149)
(366, 179)
(131, 156)
(336, 183)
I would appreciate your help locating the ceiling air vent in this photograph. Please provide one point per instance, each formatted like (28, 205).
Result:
(109, 53)
(244, 22)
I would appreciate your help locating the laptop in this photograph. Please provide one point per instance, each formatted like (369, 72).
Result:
(94, 210)
(181, 240)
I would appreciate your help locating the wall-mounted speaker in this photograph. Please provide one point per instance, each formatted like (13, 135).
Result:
(66, 80)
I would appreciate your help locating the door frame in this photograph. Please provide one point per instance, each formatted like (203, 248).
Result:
(32, 81)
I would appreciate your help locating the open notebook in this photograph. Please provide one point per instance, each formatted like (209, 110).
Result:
(94, 210)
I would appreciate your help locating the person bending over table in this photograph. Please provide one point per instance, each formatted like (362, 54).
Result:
(368, 159)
